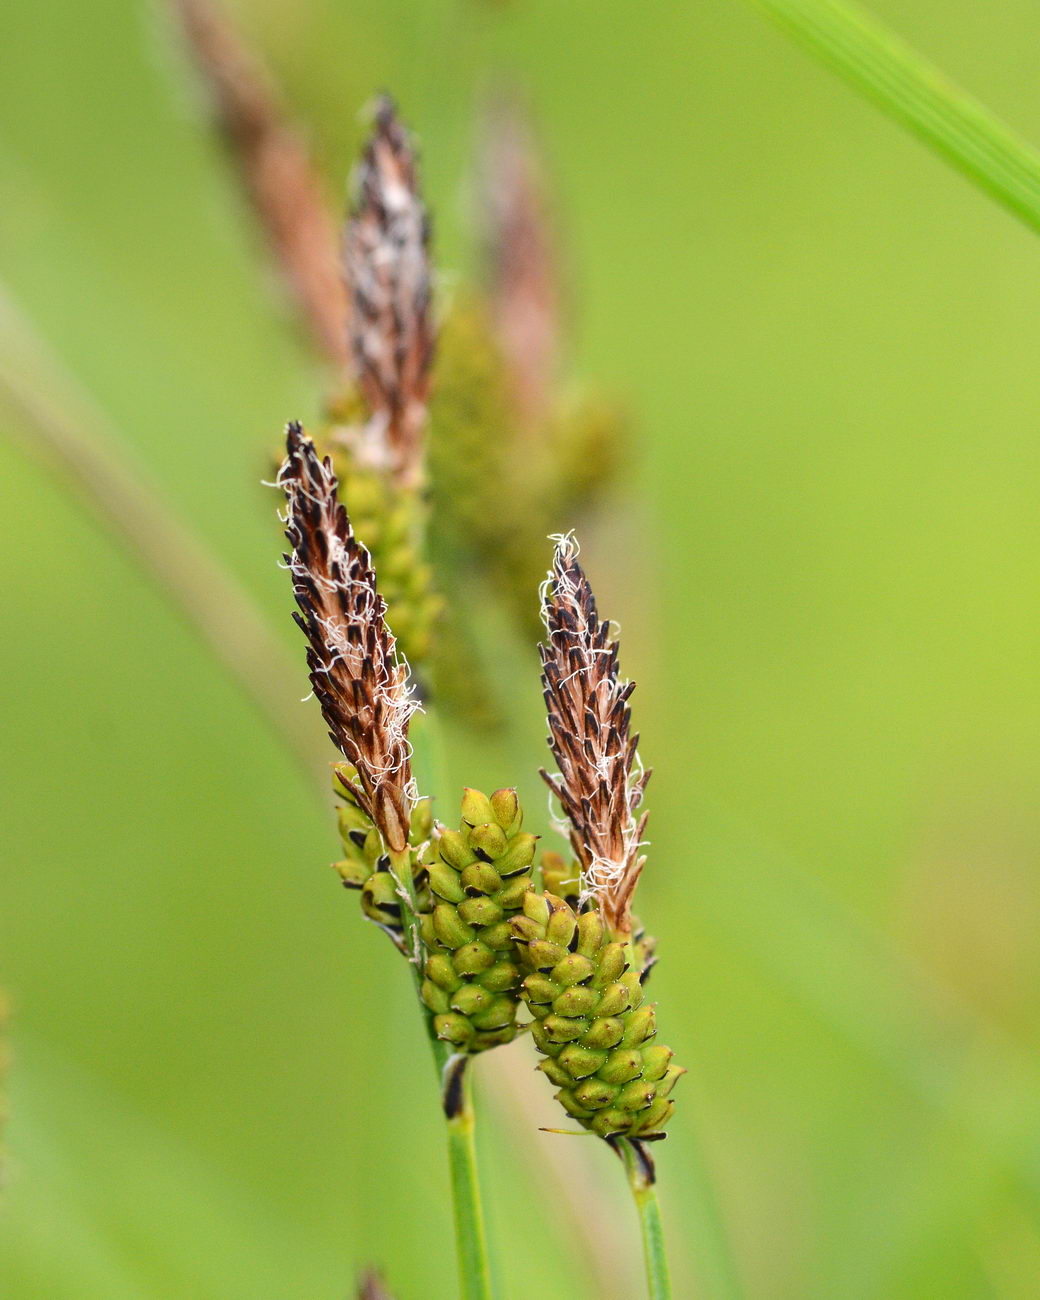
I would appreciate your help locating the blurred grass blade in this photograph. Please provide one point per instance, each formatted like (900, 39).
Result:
(76, 443)
(914, 92)
(857, 981)
(106, 1201)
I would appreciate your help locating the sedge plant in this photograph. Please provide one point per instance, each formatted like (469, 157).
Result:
(459, 904)
(366, 696)
(587, 959)
(428, 888)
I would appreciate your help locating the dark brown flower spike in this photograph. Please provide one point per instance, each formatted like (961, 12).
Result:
(388, 277)
(361, 685)
(600, 785)
(275, 169)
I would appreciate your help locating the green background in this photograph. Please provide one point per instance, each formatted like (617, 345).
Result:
(827, 570)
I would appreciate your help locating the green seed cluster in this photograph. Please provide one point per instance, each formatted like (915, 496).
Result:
(366, 867)
(585, 992)
(478, 882)
(389, 522)
(562, 878)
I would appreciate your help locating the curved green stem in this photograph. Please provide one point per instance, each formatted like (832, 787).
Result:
(640, 1170)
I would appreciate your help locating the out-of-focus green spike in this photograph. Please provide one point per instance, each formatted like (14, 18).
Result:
(391, 522)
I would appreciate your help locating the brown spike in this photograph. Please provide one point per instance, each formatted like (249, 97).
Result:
(372, 1286)
(360, 683)
(520, 256)
(590, 737)
(389, 280)
(276, 171)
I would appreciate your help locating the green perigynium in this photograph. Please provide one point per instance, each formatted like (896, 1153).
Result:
(478, 879)
(365, 865)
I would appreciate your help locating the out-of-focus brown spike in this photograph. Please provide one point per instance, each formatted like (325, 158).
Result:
(389, 281)
(275, 170)
(371, 1286)
(520, 255)
(598, 786)
(361, 685)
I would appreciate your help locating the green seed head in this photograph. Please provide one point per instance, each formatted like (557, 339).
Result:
(479, 879)
(582, 986)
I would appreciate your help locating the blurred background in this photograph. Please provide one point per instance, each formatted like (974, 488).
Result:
(825, 559)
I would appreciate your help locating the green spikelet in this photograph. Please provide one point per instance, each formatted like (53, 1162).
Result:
(390, 522)
(365, 866)
(589, 435)
(471, 426)
(478, 442)
(563, 879)
(478, 881)
(471, 432)
(584, 989)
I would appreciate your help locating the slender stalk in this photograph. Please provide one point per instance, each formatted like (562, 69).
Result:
(912, 90)
(470, 1228)
(471, 1244)
(640, 1170)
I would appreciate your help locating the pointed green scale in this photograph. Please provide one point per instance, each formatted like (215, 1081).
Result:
(583, 987)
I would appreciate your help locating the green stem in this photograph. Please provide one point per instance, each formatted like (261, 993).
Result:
(470, 1230)
(456, 1094)
(916, 93)
(640, 1170)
